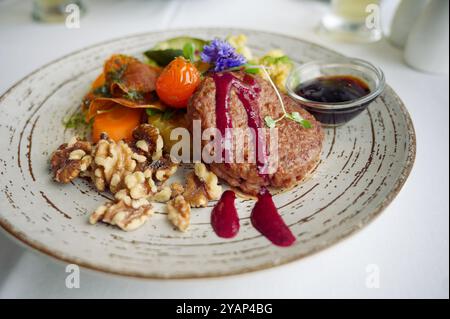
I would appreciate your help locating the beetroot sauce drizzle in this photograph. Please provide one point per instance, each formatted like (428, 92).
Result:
(264, 217)
(224, 216)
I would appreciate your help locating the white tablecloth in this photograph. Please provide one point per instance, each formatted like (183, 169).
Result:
(409, 242)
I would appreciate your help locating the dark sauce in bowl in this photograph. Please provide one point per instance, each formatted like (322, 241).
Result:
(334, 89)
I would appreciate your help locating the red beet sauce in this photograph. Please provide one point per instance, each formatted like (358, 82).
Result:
(264, 217)
(248, 93)
(224, 217)
(267, 221)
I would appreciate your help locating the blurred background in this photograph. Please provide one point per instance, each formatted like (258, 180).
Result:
(408, 39)
(35, 25)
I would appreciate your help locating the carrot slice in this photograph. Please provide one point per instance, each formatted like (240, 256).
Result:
(101, 104)
(118, 122)
(99, 81)
(116, 63)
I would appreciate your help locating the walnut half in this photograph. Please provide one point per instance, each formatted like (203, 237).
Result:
(123, 215)
(201, 186)
(179, 212)
(209, 180)
(112, 163)
(148, 142)
(177, 189)
(70, 159)
(163, 169)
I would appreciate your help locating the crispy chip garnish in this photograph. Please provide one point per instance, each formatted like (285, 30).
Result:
(125, 81)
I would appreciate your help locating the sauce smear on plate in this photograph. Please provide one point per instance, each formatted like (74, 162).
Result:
(224, 217)
(266, 219)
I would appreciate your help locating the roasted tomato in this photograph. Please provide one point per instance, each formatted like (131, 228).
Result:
(177, 82)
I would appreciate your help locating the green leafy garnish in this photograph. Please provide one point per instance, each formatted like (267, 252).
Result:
(248, 68)
(251, 69)
(270, 122)
(76, 120)
(151, 62)
(164, 52)
(134, 95)
(152, 112)
(165, 115)
(295, 116)
(102, 91)
(268, 60)
(306, 124)
(189, 51)
(179, 43)
(116, 76)
(163, 57)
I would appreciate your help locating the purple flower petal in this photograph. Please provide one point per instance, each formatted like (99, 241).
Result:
(222, 55)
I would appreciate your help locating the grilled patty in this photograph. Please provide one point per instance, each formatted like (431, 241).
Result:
(298, 148)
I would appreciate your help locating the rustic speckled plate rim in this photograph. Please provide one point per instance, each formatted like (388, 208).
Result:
(409, 163)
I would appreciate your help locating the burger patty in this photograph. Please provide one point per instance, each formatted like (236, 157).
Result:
(298, 148)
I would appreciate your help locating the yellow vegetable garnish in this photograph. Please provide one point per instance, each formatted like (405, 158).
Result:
(279, 66)
(275, 53)
(165, 126)
(239, 43)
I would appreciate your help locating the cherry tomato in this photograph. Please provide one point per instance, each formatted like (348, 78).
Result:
(177, 82)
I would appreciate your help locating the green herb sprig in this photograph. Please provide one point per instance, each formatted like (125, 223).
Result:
(134, 95)
(102, 91)
(189, 51)
(294, 116)
(165, 115)
(268, 120)
(76, 120)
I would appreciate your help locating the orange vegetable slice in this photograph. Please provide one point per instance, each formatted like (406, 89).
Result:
(99, 81)
(99, 105)
(127, 74)
(118, 122)
(137, 77)
(124, 82)
(117, 63)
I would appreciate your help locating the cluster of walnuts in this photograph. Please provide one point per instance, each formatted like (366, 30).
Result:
(136, 173)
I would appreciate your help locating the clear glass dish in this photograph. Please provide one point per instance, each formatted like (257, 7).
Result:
(334, 114)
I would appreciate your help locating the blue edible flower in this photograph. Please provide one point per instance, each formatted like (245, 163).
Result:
(222, 55)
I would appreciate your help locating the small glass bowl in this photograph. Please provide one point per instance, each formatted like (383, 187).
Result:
(335, 114)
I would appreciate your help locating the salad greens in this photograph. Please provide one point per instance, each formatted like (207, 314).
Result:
(76, 120)
(164, 114)
(163, 57)
(164, 52)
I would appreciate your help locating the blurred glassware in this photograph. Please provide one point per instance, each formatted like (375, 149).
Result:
(405, 16)
(53, 11)
(427, 47)
(347, 21)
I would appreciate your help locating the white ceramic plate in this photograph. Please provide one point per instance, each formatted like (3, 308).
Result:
(363, 166)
